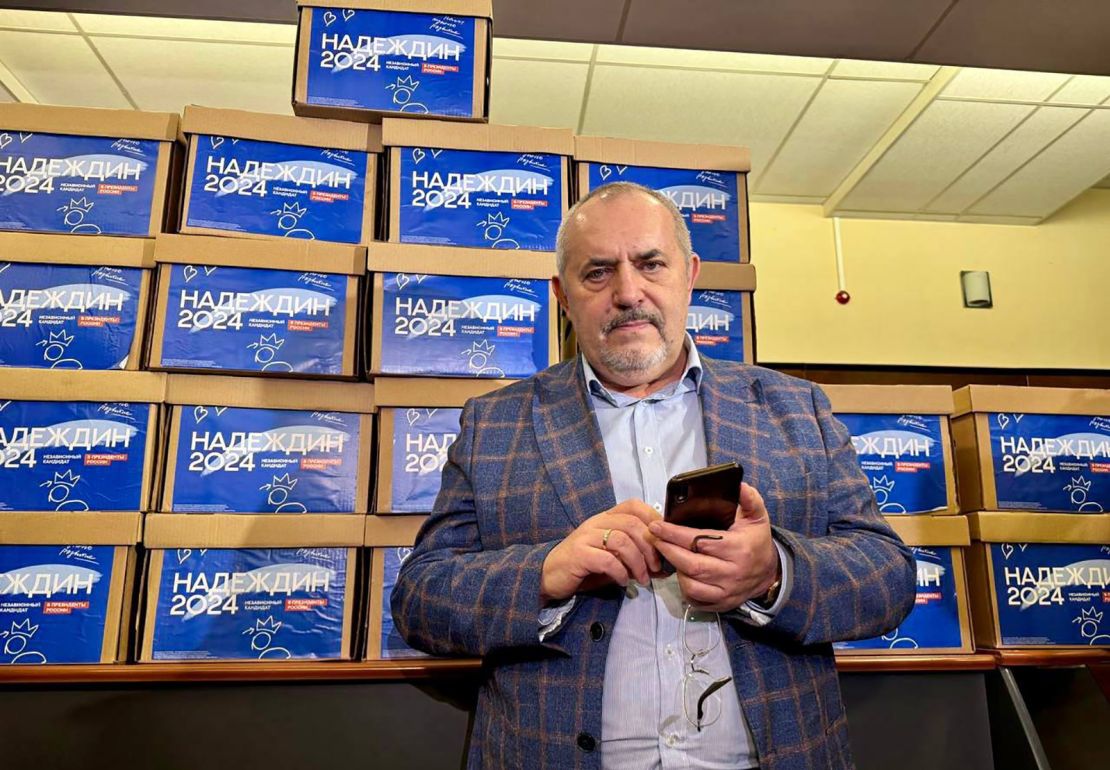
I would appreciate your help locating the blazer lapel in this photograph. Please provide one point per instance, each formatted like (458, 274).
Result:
(731, 402)
(570, 443)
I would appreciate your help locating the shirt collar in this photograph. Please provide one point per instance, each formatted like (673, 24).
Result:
(689, 381)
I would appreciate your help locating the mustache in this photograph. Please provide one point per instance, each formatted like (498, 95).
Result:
(631, 315)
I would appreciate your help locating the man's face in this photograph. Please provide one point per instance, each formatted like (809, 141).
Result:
(626, 287)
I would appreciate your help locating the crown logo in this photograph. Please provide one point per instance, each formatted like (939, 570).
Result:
(58, 338)
(407, 83)
(67, 479)
(480, 346)
(293, 208)
(82, 204)
(269, 341)
(1079, 483)
(265, 625)
(494, 219)
(21, 629)
(1089, 615)
(286, 481)
(882, 484)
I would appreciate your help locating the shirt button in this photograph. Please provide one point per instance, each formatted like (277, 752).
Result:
(672, 740)
(669, 650)
(597, 631)
(586, 742)
(658, 506)
(648, 450)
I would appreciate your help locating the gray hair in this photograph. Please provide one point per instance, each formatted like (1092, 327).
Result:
(613, 190)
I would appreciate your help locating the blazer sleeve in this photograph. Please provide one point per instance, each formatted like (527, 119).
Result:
(858, 580)
(452, 597)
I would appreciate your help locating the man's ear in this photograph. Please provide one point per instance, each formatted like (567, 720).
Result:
(560, 292)
(694, 269)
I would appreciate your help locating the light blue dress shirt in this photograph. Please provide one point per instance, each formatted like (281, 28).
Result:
(644, 723)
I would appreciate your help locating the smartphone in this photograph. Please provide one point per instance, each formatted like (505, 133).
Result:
(706, 498)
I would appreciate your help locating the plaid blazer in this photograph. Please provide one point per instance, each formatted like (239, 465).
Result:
(529, 465)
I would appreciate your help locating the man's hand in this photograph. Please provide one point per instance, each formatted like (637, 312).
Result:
(719, 575)
(588, 559)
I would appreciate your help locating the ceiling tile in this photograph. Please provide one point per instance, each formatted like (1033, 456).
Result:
(194, 29)
(850, 28)
(842, 123)
(59, 69)
(1003, 85)
(582, 20)
(1073, 163)
(944, 140)
(169, 74)
(1022, 34)
(885, 70)
(40, 20)
(1023, 143)
(709, 107)
(718, 60)
(1084, 89)
(541, 49)
(532, 93)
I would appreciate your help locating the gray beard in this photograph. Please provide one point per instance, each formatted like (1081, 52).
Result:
(627, 361)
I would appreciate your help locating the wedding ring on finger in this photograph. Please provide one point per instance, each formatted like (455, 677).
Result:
(605, 539)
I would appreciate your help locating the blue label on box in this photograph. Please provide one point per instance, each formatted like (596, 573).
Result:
(708, 200)
(716, 322)
(493, 200)
(72, 456)
(86, 185)
(458, 326)
(415, 63)
(272, 321)
(286, 190)
(238, 460)
(393, 646)
(1050, 593)
(67, 316)
(934, 622)
(1051, 462)
(54, 602)
(903, 459)
(245, 604)
(421, 438)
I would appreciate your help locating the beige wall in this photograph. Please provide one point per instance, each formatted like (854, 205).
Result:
(1051, 287)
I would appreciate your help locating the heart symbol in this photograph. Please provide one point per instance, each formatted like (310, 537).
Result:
(1007, 550)
(348, 13)
(417, 155)
(183, 554)
(5, 140)
(435, 153)
(605, 172)
(412, 415)
(208, 270)
(1003, 421)
(219, 410)
(199, 413)
(24, 137)
(402, 280)
(190, 273)
(403, 553)
(329, 18)
(216, 141)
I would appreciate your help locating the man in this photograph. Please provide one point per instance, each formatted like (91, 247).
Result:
(545, 551)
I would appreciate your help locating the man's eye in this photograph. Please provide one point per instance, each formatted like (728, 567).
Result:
(595, 275)
(652, 266)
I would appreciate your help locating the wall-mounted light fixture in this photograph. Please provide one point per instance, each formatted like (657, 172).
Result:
(977, 288)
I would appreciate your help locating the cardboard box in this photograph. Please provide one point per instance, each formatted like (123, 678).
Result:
(902, 436)
(418, 420)
(1033, 449)
(492, 187)
(68, 302)
(480, 315)
(1040, 579)
(254, 175)
(720, 315)
(266, 588)
(283, 308)
(68, 580)
(708, 184)
(940, 621)
(86, 171)
(366, 59)
(251, 445)
(97, 453)
(390, 542)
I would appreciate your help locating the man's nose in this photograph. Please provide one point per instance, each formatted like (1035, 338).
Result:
(627, 286)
